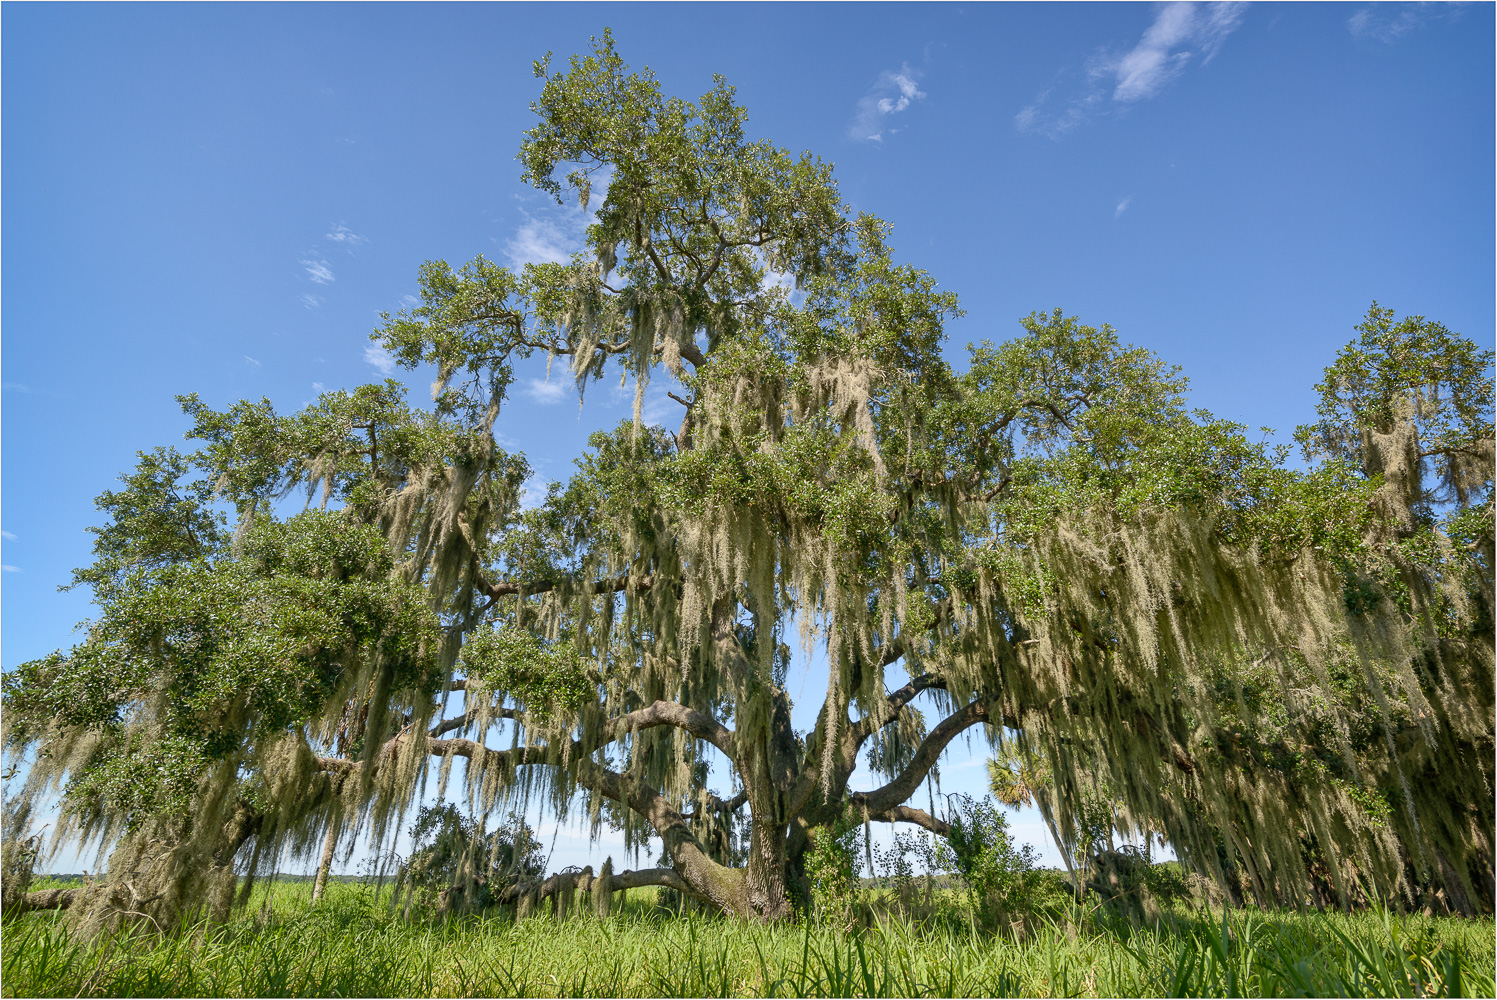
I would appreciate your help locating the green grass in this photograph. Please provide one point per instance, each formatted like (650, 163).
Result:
(352, 945)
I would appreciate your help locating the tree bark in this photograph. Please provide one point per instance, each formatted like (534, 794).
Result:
(1065, 855)
(325, 865)
(46, 899)
(1455, 885)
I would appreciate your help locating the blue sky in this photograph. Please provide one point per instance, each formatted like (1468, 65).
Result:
(221, 199)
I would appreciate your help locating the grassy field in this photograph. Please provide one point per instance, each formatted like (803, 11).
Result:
(352, 945)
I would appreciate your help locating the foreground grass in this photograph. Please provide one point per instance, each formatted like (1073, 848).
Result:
(351, 945)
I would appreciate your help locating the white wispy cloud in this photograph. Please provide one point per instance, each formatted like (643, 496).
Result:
(1181, 34)
(319, 388)
(545, 391)
(1122, 206)
(309, 300)
(890, 94)
(10, 569)
(541, 241)
(251, 361)
(7, 536)
(556, 232)
(341, 234)
(533, 492)
(318, 271)
(377, 357)
(659, 410)
(1388, 22)
(409, 301)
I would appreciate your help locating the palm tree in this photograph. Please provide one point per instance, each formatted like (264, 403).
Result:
(1019, 777)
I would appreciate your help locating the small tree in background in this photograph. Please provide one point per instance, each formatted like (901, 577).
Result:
(458, 864)
(1000, 878)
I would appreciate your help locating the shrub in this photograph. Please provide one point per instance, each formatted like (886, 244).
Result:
(458, 864)
(1000, 879)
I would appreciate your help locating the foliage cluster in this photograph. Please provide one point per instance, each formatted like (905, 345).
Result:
(454, 854)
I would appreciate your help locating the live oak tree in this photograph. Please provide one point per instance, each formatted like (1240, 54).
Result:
(1279, 668)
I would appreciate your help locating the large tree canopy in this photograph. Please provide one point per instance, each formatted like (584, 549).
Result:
(1287, 671)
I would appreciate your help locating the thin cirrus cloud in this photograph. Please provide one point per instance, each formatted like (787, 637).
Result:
(558, 232)
(546, 392)
(343, 236)
(380, 359)
(542, 241)
(1122, 207)
(319, 272)
(891, 93)
(1388, 22)
(1181, 34)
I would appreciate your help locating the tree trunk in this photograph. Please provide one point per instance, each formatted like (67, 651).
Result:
(325, 865)
(765, 885)
(1065, 855)
(797, 883)
(1455, 885)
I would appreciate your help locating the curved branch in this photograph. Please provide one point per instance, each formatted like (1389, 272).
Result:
(865, 727)
(447, 726)
(904, 785)
(669, 713)
(693, 353)
(661, 713)
(722, 805)
(907, 814)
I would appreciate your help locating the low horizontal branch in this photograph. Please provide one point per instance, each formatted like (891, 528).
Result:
(583, 882)
(908, 814)
(448, 725)
(46, 899)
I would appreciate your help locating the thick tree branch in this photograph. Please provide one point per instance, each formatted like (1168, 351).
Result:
(693, 353)
(904, 785)
(722, 805)
(669, 713)
(906, 814)
(661, 713)
(46, 899)
(647, 877)
(584, 882)
(896, 701)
